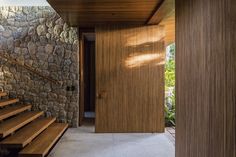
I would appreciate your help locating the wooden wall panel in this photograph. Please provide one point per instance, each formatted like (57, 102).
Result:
(169, 24)
(130, 78)
(206, 78)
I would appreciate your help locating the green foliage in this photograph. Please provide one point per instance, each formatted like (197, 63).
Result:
(170, 112)
(170, 67)
(170, 86)
(170, 74)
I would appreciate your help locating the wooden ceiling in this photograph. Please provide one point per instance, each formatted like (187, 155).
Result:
(95, 12)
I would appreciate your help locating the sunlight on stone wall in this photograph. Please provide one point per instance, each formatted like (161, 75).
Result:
(38, 37)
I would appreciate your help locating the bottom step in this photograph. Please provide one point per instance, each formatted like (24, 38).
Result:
(45, 141)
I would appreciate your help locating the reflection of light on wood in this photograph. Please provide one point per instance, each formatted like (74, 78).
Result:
(138, 60)
(141, 37)
(161, 63)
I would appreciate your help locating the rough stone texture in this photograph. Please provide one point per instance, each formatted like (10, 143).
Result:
(38, 37)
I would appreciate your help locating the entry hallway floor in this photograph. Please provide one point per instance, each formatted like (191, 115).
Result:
(83, 142)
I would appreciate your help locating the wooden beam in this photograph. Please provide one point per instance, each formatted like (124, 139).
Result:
(90, 13)
(166, 8)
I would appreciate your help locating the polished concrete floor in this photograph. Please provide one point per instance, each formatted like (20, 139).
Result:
(83, 142)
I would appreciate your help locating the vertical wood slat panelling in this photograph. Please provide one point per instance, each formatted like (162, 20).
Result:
(231, 79)
(130, 69)
(205, 78)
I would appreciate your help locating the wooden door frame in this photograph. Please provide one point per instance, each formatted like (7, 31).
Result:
(81, 71)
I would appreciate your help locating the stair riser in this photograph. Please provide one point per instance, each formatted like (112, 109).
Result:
(15, 112)
(33, 150)
(3, 94)
(2, 104)
(10, 131)
(41, 130)
(54, 142)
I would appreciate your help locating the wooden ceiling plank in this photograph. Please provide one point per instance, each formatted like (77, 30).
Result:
(101, 6)
(94, 12)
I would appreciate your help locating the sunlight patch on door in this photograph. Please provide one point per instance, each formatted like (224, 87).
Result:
(138, 60)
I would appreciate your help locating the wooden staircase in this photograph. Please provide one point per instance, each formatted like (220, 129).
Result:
(27, 131)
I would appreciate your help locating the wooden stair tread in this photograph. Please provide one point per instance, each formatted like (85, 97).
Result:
(3, 94)
(25, 135)
(43, 143)
(8, 102)
(13, 110)
(9, 126)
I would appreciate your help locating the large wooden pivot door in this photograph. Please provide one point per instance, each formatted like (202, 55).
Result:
(130, 79)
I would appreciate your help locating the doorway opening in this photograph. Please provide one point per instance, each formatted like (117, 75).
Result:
(87, 77)
(170, 104)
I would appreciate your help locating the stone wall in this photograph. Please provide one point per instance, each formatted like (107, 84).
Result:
(38, 37)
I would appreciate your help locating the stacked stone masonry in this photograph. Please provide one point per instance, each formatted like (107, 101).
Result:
(38, 37)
